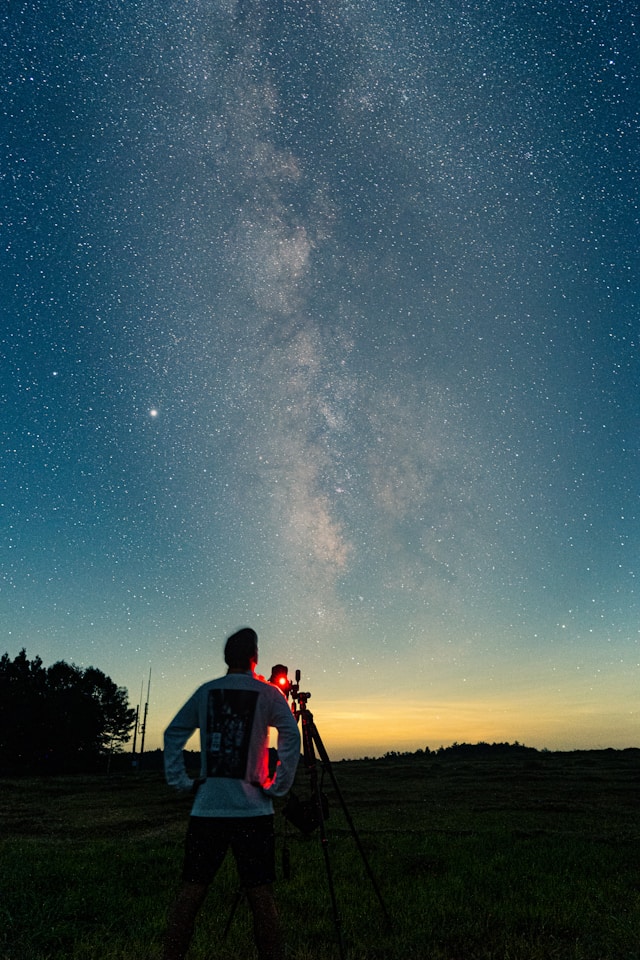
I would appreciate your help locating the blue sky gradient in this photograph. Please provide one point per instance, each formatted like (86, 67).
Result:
(323, 318)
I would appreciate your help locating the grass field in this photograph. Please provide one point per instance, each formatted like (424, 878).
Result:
(504, 858)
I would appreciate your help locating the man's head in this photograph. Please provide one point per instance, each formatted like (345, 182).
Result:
(241, 649)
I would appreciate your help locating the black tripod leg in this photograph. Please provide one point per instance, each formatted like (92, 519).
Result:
(324, 756)
(311, 765)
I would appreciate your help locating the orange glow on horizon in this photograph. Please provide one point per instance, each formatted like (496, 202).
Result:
(375, 726)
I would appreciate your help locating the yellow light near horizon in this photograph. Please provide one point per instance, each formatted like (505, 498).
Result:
(374, 727)
(560, 719)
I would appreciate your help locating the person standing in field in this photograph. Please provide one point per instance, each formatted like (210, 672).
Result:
(233, 797)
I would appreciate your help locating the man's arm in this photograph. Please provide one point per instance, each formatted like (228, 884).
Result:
(288, 749)
(175, 737)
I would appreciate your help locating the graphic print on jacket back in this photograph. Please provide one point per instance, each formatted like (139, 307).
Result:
(229, 723)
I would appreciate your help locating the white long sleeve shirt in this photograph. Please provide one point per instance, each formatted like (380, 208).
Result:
(234, 714)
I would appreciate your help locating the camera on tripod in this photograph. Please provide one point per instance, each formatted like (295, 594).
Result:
(309, 814)
(306, 815)
(280, 679)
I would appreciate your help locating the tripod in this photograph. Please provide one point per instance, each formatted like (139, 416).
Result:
(311, 741)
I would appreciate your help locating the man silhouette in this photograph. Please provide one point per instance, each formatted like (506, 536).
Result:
(232, 805)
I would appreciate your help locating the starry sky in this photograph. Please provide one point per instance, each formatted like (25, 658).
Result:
(321, 316)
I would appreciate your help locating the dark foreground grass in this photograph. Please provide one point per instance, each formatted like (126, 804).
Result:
(513, 858)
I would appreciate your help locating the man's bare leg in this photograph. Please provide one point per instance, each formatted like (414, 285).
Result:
(182, 919)
(266, 925)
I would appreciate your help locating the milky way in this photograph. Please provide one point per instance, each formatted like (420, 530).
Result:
(323, 317)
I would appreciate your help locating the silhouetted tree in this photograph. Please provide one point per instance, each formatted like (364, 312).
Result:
(22, 708)
(59, 719)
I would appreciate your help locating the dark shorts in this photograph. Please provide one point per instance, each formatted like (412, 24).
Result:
(251, 839)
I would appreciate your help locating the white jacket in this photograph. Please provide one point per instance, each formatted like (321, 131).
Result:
(234, 714)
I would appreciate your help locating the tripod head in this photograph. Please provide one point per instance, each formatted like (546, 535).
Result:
(280, 679)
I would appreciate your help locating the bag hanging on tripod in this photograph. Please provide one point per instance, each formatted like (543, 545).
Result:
(304, 814)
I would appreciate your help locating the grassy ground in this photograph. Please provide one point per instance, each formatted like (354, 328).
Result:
(516, 858)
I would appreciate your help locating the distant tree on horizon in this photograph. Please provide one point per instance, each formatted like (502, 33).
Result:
(59, 719)
(471, 750)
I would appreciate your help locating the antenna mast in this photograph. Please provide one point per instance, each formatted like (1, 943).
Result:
(144, 722)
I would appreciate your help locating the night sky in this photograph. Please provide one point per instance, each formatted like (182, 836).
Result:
(322, 318)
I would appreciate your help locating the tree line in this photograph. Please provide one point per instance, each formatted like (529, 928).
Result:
(59, 719)
(467, 751)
